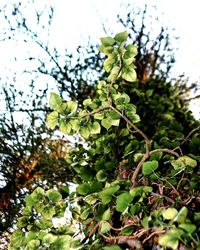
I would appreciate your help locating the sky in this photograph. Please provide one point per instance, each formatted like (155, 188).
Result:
(76, 20)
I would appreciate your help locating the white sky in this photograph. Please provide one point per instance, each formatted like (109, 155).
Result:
(75, 20)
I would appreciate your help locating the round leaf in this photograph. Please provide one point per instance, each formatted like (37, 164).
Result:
(149, 167)
(123, 200)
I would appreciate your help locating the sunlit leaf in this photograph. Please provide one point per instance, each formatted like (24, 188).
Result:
(106, 215)
(107, 41)
(85, 132)
(101, 175)
(169, 213)
(181, 216)
(106, 123)
(65, 126)
(114, 73)
(138, 191)
(129, 73)
(72, 106)
(105, 227)
(170, 239)
(52, 119)
(95, 128)
(48, 212)
(33, 245)
(55, 101)
(109, 62)
(121, 37)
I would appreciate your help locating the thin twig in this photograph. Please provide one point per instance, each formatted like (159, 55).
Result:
(188, 136)
(147, 141)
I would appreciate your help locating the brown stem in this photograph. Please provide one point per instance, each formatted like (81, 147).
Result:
(164, 150)
(188, 136)
(144, 158)
(147, 141)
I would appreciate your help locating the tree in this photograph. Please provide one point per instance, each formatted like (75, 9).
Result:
(136, 188)
(75, 82)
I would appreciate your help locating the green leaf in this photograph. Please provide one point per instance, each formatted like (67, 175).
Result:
(53, 195)
(107, 50)
(37, 194)
(106, 194)
(113, 115)
(55, 101)
(33, 245)
(113, 247)
(183, 162)
(123, 200)
(137, 157)
(95, 128)
(121, 37)
(138, 191)
(189, 228)
(52, 119)
(72, 106)
(181, 216)
(133, 117)
(128, 57)
(22, 221)
(31, 236)
(105, 227)
(17, 239)
(85, 132)
(129, 73)
(110, 62)
(135, 209)
(107, 41)
(156, 156)
(114, 74)
(48, 212)
(29, 201)
(149, 167)
(132, 50)
(106, 123)
(106, 215)
(50, 238)
(65, 126)
(88, 188)
(167, 240)
(169, 213)
(101, 175)
(83, 189)
(87, 102)
(99, 116)
(121, 99)
(75, 124)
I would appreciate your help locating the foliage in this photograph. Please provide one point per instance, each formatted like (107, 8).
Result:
(136, 179)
